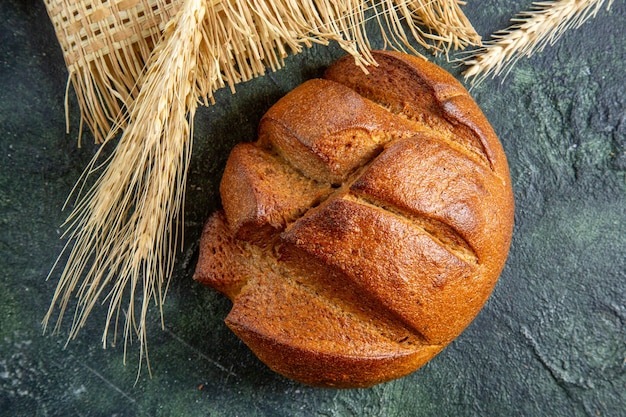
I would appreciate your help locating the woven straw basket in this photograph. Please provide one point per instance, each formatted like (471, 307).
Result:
(106, 44)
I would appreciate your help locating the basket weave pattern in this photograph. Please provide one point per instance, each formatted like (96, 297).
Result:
(106, 44)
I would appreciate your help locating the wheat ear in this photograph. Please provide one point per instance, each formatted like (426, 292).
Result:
(124, 230)
(531, 32)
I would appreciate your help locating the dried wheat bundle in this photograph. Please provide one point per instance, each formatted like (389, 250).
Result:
(250, 36)
(531, 32)
(125, 228)
(123, 231)
(106, 43)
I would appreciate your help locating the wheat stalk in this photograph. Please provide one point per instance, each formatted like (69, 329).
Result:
(123, 232)
(249, 36)
(124, 229)
(531, 32)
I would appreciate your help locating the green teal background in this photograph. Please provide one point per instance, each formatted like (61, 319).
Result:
(551, 341)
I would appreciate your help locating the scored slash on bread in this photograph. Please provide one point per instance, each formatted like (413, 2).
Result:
(366, 227)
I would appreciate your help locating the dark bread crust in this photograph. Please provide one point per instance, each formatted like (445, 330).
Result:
(317, 146)
(422, 91)
(366, 227)
(265, 193)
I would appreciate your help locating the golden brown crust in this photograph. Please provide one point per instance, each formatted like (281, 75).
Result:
(301, 335)
(367, 226)
(442, 184)
(346, 132)
(387, 259)
(222, 260)
(261, 194)
(422, 91)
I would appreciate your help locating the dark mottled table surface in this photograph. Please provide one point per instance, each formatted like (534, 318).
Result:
(550, 341)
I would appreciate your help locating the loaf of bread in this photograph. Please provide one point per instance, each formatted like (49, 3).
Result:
(365, 228)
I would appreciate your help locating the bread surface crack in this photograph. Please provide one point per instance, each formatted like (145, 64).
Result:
(443, 234)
